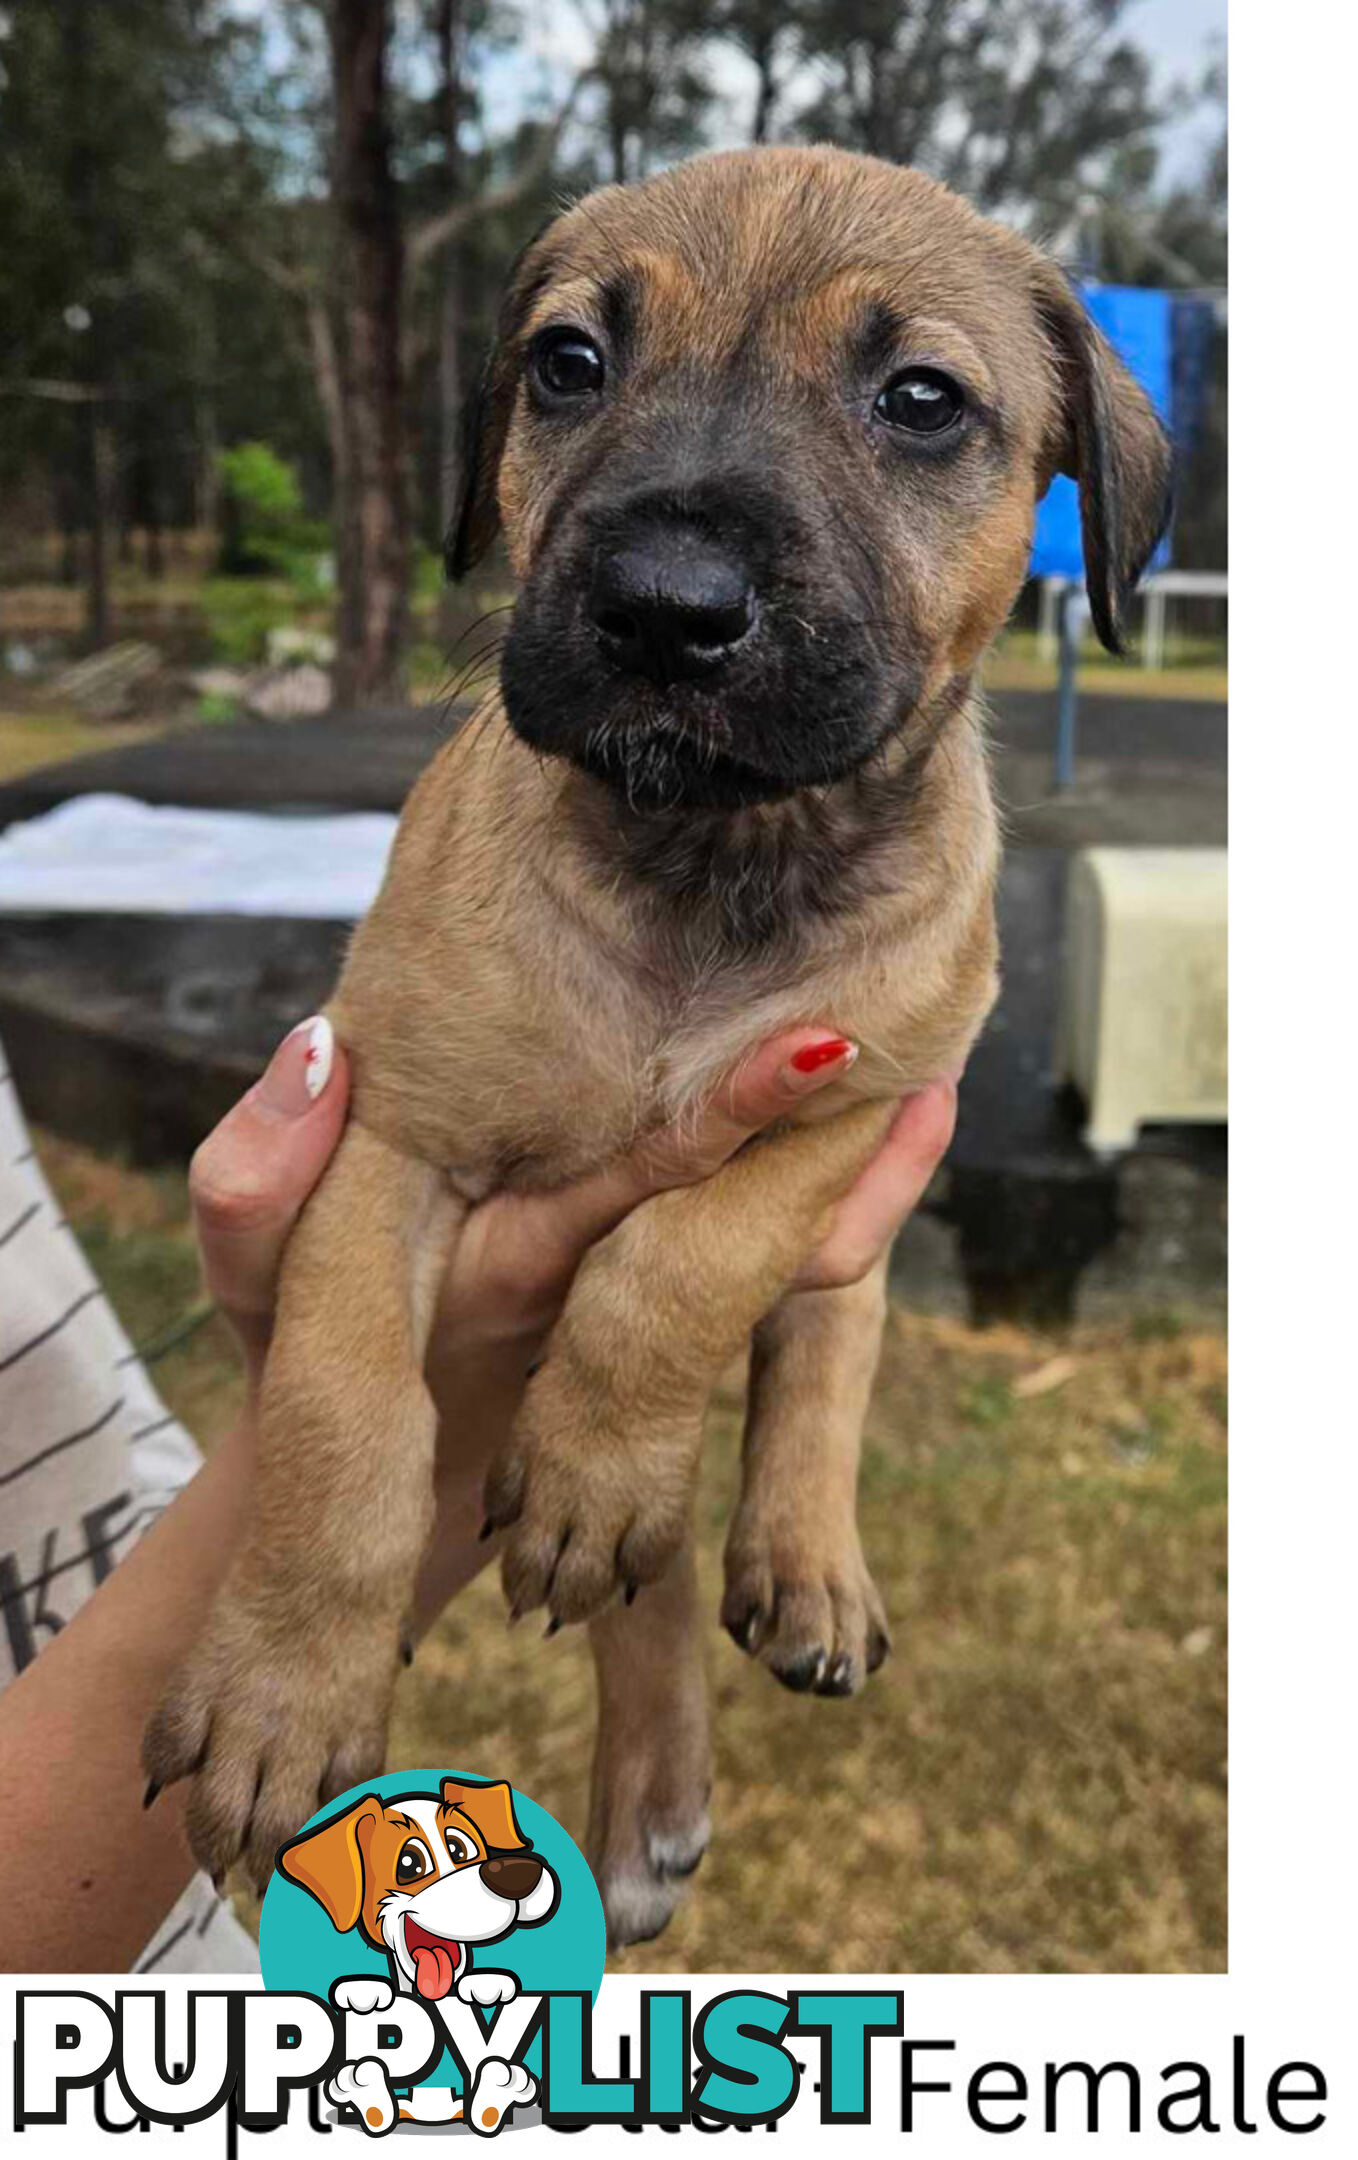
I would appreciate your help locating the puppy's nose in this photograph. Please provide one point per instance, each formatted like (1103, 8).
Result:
(513, 1876)
(671, 604)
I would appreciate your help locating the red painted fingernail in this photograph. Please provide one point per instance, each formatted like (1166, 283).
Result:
(814, 1057)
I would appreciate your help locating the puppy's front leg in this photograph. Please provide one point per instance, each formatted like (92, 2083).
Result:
(597, 1478)
(648, 1822)
(798, 1594)
(283, 1702)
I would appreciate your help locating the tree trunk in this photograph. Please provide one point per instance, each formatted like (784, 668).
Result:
(103, 466)
(767, 93)
(154, 537)
(206, 490)
(372, 525)
(97, 454)
(450, 388)
(449, 30)
(68, 510)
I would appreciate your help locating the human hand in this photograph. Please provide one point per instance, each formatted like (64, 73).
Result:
(518, 1253)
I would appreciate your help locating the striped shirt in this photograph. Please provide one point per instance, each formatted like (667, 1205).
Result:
(89, 1456)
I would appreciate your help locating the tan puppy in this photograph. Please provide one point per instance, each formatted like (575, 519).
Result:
(765, 435)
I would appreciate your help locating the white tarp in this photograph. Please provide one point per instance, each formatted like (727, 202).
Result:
(100, 854)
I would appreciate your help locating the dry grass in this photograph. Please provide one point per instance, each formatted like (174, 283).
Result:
(1034, 1782)
(1197, 670)
(31, 739)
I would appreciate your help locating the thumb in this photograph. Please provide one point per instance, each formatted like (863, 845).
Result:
(249, 1179)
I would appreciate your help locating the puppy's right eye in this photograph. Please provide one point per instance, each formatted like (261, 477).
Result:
(921, 401)
(411, 1862)
(568, 364)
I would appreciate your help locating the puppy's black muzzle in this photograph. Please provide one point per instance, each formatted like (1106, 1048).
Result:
(699, 641)
(669, 602)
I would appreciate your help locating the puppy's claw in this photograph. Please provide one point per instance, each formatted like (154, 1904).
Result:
(745, 1629)
(151, 1794)
(286, 1729)
(629, 1595)
(839, 1677)
(801, 1600)
(407, 1651)
(803, 1674)
(486, 1531)
(553, 1627)
(503, 1495)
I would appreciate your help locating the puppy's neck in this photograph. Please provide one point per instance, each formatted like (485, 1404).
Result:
(774, 877)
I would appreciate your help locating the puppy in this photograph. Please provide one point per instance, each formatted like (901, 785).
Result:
(765, 435)
(424, 1880)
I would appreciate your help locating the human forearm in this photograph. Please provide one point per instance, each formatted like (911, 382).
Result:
(85, 1872)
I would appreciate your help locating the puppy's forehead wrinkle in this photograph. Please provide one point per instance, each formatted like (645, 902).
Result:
(724, 246)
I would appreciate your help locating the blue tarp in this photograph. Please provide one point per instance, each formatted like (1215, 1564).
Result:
(1138, 324)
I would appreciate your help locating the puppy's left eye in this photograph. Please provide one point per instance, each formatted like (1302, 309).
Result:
(921, 401)
(568, 364)
(461, 1849)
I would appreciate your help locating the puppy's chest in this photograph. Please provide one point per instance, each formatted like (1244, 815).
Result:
(585, 1069)
(587, 1065)
(516, 1052)
(535, 1065)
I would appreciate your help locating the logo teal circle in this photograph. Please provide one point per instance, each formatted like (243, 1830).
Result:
(301, 1951)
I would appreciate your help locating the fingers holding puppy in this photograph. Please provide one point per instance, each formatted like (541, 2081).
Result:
(519, 1253)
(887, 1192)
(252, 1175)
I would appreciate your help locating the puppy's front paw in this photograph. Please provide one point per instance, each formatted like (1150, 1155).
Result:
(272, 1713)
(591, 1508)
(799, 1597)
(363, 2086)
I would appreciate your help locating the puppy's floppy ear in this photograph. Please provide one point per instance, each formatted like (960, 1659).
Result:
(1111, 442)
(490, 1807)
(328, 1861)
(486, 416)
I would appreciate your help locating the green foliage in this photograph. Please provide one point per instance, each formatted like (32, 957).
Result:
(264, 525)
(1022, 106)
(1157, 1326)
(164, 168)
(241, 611)
(263, 484)
(988, 1403)
(429, 581)
(137, 168)
(216, 708)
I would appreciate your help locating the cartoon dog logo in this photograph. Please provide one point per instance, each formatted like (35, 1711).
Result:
(427, 1879)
